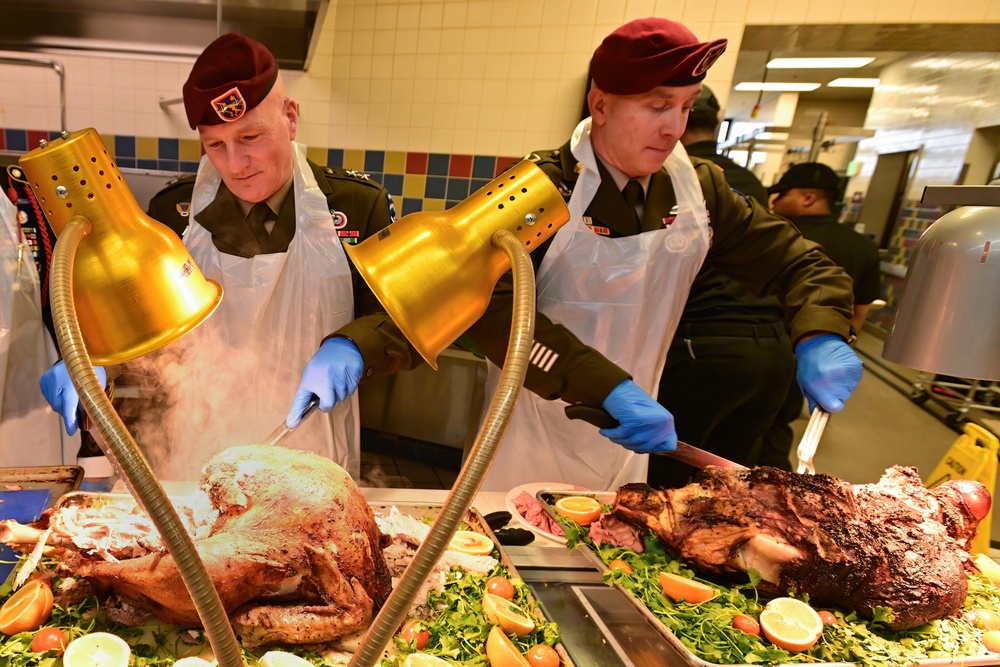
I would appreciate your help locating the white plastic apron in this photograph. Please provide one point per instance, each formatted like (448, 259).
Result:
(242, 366)
(623, 297)
(30, 433)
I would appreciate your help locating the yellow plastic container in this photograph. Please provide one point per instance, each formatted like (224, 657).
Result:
(973, 456)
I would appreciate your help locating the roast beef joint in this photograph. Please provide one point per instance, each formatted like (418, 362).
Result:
(894, 544)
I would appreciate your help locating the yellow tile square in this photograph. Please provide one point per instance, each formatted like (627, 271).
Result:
(317, 155)
(395, 162)
(414, 185)
(434, 204)
(189, 150)
(109, 143)
(354, 158)
(147, 148)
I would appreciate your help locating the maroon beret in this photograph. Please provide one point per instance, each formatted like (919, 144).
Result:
(230, 77)
(646, 53)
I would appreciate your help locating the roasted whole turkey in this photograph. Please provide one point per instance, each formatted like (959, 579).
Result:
(291, 546)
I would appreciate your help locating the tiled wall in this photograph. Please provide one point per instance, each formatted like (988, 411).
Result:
(458, 79)
(417, 181)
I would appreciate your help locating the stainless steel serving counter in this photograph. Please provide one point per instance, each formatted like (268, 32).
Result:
(599, 626)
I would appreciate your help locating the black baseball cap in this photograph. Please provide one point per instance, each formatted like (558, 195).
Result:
(807, 175)
(706, 102)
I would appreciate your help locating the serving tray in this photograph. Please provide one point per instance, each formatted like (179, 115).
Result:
(684, 655)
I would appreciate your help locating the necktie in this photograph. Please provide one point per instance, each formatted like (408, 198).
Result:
(258, 215)
(633, 197)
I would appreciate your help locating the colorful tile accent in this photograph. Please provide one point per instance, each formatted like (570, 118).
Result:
(414, 185)
(434, 204)
(394, 184)
(461, 165)
(416, 163)
(335, 157)
(395, 162)
(168, 149)
(374, 161)
(436, 187)
(34, 137)
(503, 163)
(437, 164)
(189, 150)
(146, 148)
(458, 188)
(3, 141)
(317, 155)
(354, 159)
(16, 140)
(124, 147)
(484, 166)
(109, 143)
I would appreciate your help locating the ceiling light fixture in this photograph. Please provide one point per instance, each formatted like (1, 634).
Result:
(847, 82)
(818, 63)
(777, 87)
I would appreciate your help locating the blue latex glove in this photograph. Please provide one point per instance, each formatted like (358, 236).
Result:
(644, 426)
(332, 375)
(58, 390)
(828, 371)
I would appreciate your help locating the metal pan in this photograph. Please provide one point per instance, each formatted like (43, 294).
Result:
(59, 480)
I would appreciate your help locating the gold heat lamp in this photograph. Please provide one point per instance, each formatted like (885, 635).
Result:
(122, 285)
(136, 287)
(434, 273)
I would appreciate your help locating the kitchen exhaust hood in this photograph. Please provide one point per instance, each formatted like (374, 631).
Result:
(161, 27)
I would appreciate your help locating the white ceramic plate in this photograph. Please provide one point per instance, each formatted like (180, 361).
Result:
(531, 489)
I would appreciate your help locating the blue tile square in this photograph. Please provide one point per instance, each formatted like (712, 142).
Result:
(451, 202)
(412, 205)
(436, 186)
(168, 149)
(375, 176)
(124, 146)
(393, 183)
(437, 164)
(125, 162)
(168, 165)
(189, 167)
(374, 160)
(145, 163)
(335, 157)
(16, 140)
(458, 188)
(54, 134)
(484, 166)
(478, 183)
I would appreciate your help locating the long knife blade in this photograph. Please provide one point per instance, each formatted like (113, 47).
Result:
(685, 453)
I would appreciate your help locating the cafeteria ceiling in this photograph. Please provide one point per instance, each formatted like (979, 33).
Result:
(886, 43)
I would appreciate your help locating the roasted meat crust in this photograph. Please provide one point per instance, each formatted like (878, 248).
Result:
(893, 544)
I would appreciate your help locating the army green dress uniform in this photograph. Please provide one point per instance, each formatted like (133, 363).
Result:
(356, 202)
(761, 250)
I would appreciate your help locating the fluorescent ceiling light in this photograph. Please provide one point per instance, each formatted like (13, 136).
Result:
(818, 63)
(777, 87)
(847, 82)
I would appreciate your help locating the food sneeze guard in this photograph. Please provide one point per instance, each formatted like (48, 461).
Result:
(136, 289)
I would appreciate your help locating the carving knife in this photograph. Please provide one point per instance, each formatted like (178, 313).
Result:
(685, 453)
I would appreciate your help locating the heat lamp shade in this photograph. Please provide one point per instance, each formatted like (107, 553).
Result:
(948, 316)
(434, 272)
(135, 286)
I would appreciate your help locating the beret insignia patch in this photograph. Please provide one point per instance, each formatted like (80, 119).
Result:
(230, 105)
(709, 59)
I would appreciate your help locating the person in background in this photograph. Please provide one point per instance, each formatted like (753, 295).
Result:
(806, 194)
(613, 281)
(730, 360)
(268, 224)
(30, 433)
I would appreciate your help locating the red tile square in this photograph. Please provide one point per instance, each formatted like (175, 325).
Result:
(416, 163)
(3, 140)
(34, 136)
(461, 166)
(504, 162)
